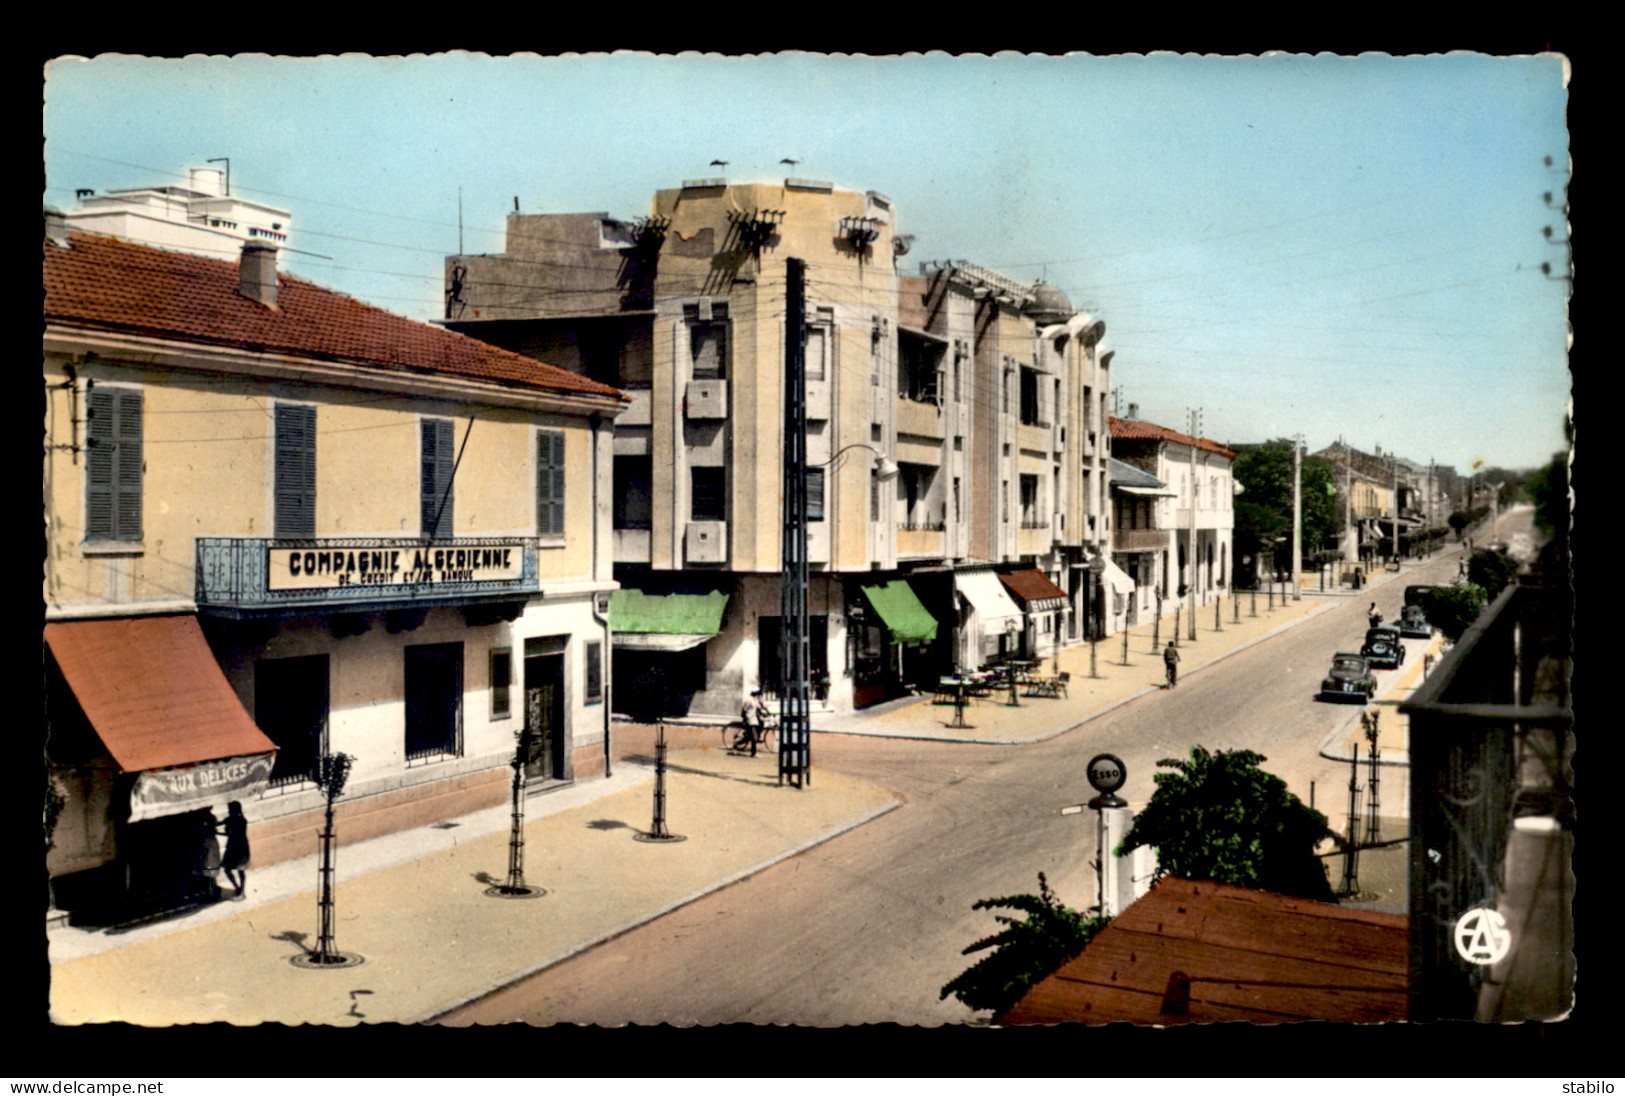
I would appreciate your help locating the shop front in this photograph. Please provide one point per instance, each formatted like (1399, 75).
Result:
(148, 745)
(1043, 603)
(992, 622)
(659, 641)
(891, 635)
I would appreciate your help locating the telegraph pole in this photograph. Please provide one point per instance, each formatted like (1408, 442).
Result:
(1297, 517)
(1196, 426)
(795, 730)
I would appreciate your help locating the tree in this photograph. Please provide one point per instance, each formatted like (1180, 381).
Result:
(1263, 511)
(1491, 570)
(1026, 952)
(1219, 816)
(1452, 609)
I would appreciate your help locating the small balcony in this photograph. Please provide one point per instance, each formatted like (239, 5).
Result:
(259, 576)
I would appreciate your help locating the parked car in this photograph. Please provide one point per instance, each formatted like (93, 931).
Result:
(1383, 647)
(1350, 678)
(1413, 623)
(1418, 595)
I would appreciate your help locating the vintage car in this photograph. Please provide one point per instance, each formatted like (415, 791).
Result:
(1350, 678)
(1413, 623)
(1383, 648)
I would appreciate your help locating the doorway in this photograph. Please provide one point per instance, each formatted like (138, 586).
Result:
(544, 717)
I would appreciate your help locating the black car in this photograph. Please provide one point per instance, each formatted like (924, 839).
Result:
(1383, 647)
(1350, 678)
(1413, 623)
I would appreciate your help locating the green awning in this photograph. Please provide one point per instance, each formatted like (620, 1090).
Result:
(898, 606)
(633, 611)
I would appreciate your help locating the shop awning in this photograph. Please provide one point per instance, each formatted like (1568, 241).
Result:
(163, 708)
(154, 693)
(1116, 579)
(995, 610)
(900, 608)
(1137, 481)
(1034, 591)
(664, 622)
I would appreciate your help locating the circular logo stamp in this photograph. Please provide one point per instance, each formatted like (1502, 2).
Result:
(1482, 937)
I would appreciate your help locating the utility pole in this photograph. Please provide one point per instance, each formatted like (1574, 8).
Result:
(1297, 516)
(1196, 427)
(795, 730)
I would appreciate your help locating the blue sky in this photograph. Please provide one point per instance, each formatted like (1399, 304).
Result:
(1322, 245)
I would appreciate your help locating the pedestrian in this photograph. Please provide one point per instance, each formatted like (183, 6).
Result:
(1372, 616)
(235, 861)
(1170, 659)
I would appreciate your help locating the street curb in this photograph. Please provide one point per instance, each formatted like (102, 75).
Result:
(620, 930)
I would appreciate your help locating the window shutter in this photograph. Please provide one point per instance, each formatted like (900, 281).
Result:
(113, 466)
(438, 458)
(549, 482)
(295, 471)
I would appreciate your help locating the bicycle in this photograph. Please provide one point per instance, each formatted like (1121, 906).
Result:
(752, 729)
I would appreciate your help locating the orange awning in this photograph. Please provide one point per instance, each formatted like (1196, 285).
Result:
(154, 693)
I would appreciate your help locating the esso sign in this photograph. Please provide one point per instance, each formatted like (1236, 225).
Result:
(1106, 773)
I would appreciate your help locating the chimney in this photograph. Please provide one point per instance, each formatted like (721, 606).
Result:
(1134, 412)
(256, 274)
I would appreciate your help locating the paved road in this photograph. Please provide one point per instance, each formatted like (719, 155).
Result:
(867, 928)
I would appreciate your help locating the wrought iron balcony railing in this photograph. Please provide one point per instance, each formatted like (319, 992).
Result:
(255, 574)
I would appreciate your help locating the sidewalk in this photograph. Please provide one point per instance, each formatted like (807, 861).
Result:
(993, 720)
(413, 905)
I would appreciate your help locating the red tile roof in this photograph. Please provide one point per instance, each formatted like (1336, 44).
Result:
(1239, 954)
(112, 284)
(1133, 428)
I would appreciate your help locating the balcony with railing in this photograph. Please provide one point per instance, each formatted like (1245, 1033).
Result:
(262, 576)
(1490, 742)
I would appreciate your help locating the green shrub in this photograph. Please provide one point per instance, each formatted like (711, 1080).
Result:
(1219, 816)
(1026, 952)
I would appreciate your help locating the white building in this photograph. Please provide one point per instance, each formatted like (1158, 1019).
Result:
(202, 217)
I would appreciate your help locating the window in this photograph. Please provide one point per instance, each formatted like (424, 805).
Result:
(708, 501)
(113, 465)
(501, 683)
(1029, 397)
(820, 342)
(918, 361)
(549, 483)
(439, 460)
(434, 700)
(1029, 503)
(290, 706)
(595, 672)
(633, 491)
(815, 494)
(708, 342)
(295, 490)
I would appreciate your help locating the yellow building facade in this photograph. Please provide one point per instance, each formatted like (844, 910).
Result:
(358, 534)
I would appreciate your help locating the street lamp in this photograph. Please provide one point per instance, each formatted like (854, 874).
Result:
(885, 468)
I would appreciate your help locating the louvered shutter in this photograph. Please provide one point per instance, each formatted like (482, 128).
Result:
(549, 482)
(295, 470)
(113, 466)
(438, 459)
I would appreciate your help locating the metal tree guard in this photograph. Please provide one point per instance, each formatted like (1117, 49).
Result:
(332, 770)
(657, 827)
(515, 886)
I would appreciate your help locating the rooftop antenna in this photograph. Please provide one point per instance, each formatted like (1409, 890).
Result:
(792, 163)
(227, 161)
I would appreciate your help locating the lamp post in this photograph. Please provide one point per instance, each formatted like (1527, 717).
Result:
(1097, 568)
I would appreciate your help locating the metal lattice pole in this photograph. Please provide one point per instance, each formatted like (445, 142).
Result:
(795, 728)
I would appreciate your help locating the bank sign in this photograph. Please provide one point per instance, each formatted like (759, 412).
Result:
(329, 568)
